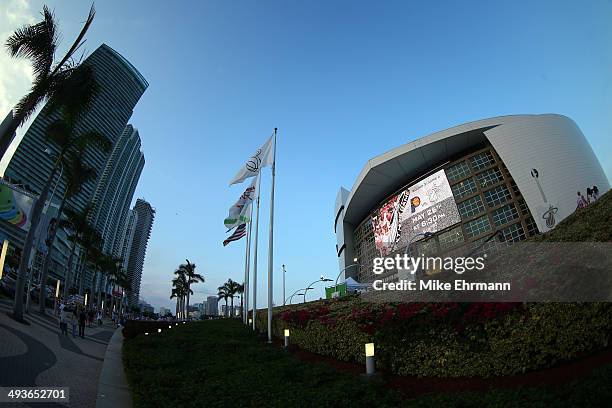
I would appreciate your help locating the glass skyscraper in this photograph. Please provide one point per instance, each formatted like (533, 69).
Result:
(120, 89)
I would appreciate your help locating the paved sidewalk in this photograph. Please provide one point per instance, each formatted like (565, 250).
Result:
(38, 355)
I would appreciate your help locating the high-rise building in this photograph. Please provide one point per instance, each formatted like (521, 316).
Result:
(120, 86)
(115, 190)
(212, 306)
(138, 249)
(163, 311)
(128, 237)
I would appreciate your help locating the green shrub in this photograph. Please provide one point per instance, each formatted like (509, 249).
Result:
(448, 340)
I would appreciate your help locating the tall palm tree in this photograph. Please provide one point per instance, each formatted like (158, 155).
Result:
(191, 277)
(125, 283)
(77, 225)
(38, 43)
(232, 289)
(76, 173)
(110, 269)
(180, 291)
(90, 242)
(223, 293)
(62, 135)
(240, 290)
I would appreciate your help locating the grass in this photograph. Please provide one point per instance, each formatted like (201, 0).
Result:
(221, 363)
(590, 224)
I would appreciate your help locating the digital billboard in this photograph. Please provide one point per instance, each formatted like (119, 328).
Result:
(15, 207)
(426, 206)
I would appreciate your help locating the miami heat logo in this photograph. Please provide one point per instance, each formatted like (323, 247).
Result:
(549, 216)
(254, 163)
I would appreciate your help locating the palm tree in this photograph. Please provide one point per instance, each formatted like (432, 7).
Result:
(223, 293)
(191, 277)
(63, 136)
(90, 242)
(240, 290)
(76, 174)
(109, 268)
(232, 289)
(38, 43)
(124, 282)
(180, 290)
(77, 225)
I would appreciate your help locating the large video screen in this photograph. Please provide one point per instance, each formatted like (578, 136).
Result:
(426, 206)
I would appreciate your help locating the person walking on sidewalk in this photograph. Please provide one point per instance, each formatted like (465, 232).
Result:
(82, 319)
(74, 321)
(63, 322)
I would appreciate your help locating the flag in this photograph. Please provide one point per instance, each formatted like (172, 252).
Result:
(264, 156)
(239, 213)
(238, 233)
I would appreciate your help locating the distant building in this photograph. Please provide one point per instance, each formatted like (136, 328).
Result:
(138, 249)
(163, 311)
(212, 306)
(145, 307)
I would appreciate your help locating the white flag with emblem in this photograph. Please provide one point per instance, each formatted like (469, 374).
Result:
(264, 156)
(239, 213)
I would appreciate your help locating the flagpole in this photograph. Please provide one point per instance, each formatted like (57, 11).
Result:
(255, 257)
(247, 261)
(271, 244)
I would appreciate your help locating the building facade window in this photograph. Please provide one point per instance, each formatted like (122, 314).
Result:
(478, 226)
(504, 215)
(497, 195)
(464, 188)
(482, 160)
(458, 171)
(471, 207)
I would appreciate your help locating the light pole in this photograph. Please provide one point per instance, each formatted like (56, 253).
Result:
(344, 269)
(321, 279)
(284, 273)
(292, 295)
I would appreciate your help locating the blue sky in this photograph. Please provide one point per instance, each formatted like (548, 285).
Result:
(342, 80)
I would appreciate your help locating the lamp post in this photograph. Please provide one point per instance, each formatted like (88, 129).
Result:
(292, 295)
(342, 270)
(370, 362)
(321, 279)
(284, 273)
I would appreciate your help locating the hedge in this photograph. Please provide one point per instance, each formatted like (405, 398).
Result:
(448, 339)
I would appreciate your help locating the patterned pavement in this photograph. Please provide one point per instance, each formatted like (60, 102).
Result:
(39, 355)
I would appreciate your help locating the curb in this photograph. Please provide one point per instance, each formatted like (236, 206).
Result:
(113, 389)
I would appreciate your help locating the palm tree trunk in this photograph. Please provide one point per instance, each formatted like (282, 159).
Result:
(35, 214)
(7, 131)
(176, 309)
(226, 309)
(100, 290)
(45, 271)
(187, 305)
(68, 274)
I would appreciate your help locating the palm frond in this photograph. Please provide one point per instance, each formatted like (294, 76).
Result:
(37, 42)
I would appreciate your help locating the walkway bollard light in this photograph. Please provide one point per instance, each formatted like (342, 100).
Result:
(159, 330)
(86, 299)
(183, 322)
(57, 289)
(170, 326)
(146, 334)
(286, 338)
(370, 362)
(250, 320)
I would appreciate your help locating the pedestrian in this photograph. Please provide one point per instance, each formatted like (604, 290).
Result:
(74, 320)
(581, 201)
(63, 322)
(90, 317)
(82, 319)
(99, 318)
(589, 197)
(595, 193)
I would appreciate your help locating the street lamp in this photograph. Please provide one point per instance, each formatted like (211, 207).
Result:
(321, 279)
(292, 295)
(284, 273)
(344, 269)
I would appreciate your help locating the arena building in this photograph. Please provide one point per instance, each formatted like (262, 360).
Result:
(494, 180)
